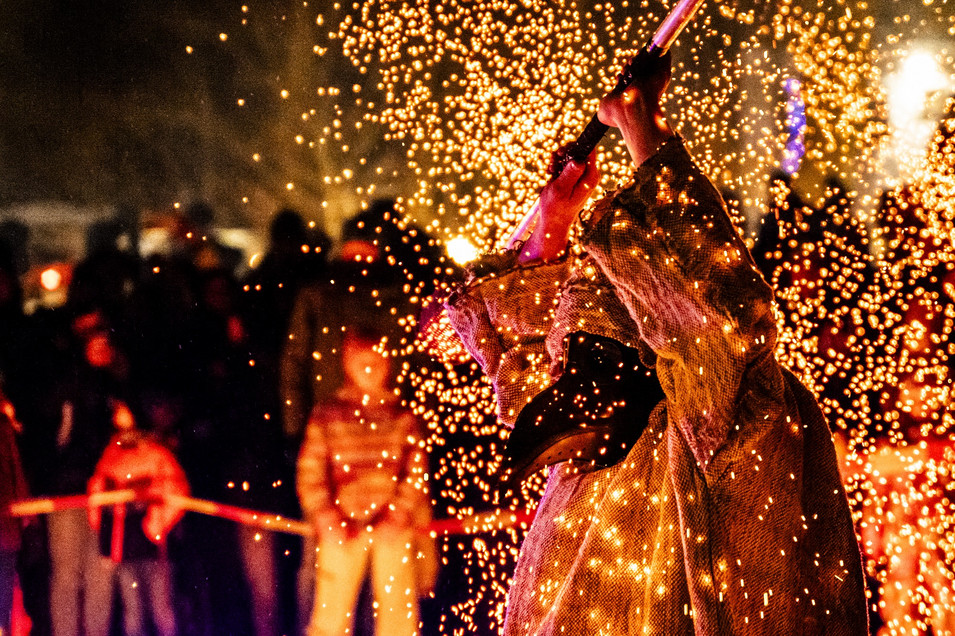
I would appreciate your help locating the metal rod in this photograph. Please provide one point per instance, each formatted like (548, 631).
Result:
(675, 22)
(480, 522)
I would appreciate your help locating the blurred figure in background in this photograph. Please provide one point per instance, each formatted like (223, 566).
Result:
(134, 460)
(243, 459)
(364, 286)
(12, 487)
(206, 251)
(80, 587)
(259, 456)
(32, 352)
(785, 228)
(360, 482)
(295, 258)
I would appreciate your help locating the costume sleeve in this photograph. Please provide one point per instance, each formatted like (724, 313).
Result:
(688, 281)
(295, 365)
(312, 470)
(503, 319)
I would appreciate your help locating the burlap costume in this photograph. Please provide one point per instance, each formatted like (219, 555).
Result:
(728, 515)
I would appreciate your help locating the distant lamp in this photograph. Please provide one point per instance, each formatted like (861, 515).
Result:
(461, 250)
(51, 279)
(918, 76)
(909, 97)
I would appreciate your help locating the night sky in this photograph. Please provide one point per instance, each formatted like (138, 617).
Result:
(94, 93)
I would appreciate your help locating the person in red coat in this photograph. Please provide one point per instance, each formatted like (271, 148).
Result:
(135, 460)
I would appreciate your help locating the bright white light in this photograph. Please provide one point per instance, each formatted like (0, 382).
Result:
(909, 92)
(918, 76)
(50, 279)
(461, 250)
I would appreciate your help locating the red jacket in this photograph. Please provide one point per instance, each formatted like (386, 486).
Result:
(133, 460)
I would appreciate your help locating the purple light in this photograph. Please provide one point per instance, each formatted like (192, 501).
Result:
(795, 125)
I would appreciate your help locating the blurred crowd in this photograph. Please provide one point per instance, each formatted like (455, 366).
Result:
(172, 373)
(866, 315)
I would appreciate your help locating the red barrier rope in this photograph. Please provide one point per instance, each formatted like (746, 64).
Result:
(473, 524)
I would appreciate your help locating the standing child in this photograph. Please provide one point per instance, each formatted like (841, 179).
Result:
(360, 476)
(134, 460)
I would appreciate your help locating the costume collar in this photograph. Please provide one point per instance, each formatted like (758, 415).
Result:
(665, 155)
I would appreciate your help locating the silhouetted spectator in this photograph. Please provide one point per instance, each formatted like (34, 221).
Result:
(295, 257)
(107, 280)
(784, 228)
(363, 286)
(12, 487)
(244, 460)
(406, 246)
(163, 310)
(207, 251)
(80, 586)
(836, 216)
(270, 292)
(30, 348)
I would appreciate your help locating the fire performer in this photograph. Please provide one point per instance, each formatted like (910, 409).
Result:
(722, 511)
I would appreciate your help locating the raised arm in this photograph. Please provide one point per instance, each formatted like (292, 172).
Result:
(561, 201)
(673, 226)
(677, 263)
(638, 114)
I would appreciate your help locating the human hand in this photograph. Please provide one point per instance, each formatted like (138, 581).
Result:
(398, 517)
(636, 110)
(560, 202)
(328, 525)
(154, 529)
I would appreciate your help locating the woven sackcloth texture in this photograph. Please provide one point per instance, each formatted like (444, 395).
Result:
(503, 319)
(728, 515)
(588, 302)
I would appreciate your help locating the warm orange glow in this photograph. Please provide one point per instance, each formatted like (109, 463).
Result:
(51, 279)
